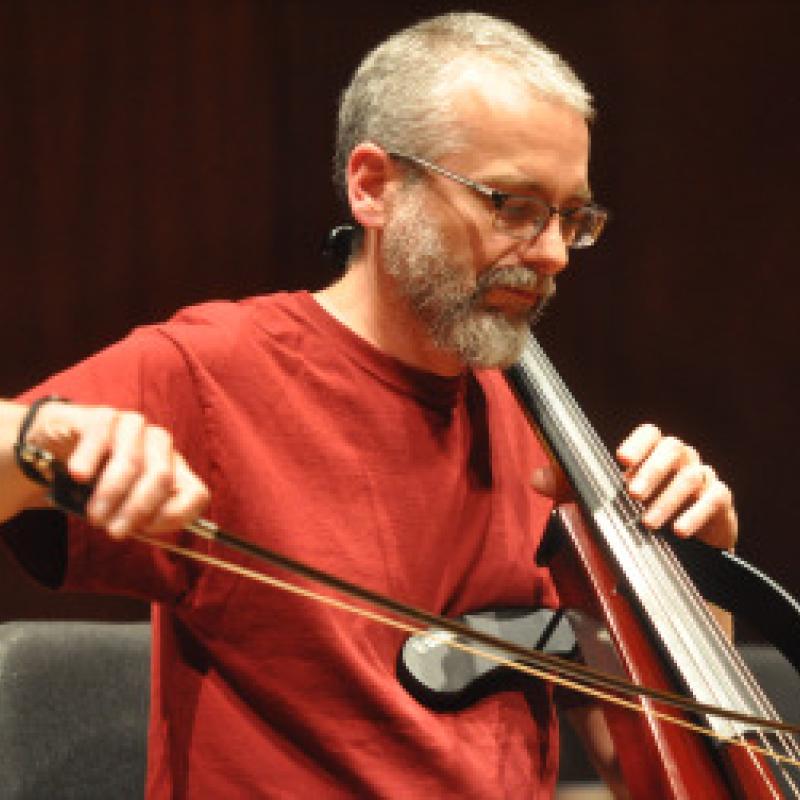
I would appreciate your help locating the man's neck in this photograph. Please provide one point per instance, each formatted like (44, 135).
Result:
(366, 300)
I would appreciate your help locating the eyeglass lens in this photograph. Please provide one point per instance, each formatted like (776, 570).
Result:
(526, 217)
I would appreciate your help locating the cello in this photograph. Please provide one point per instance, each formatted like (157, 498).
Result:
(609, 566)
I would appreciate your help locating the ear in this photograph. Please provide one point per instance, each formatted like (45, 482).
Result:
(370, 172)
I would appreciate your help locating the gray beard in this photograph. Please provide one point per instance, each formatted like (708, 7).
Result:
(446, 296)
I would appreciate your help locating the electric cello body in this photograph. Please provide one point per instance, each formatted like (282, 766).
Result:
(641, 615)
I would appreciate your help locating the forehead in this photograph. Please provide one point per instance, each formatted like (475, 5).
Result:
(511, 133)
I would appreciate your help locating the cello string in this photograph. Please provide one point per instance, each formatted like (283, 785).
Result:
(592, 441)
(631, 521)
(762, 703)
(724, 646)
(585, 438)
(787, 743)
(783, 744)
(631, 515)
(527, 669)
(732, 656)
(632, 511)
(735, 660)
(636, 546)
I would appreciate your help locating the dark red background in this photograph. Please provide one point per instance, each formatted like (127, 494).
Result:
(154, 154)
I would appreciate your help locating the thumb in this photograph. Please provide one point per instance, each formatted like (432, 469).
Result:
(551, 482)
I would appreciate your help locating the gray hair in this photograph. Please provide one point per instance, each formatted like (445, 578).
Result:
(400, 96)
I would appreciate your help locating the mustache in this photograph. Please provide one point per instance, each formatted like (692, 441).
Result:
(516, 278)
(513, 278)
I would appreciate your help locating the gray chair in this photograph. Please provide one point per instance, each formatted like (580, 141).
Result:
(74, 702)
(73, 710)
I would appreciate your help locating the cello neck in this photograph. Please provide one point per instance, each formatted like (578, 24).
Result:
(569, 435)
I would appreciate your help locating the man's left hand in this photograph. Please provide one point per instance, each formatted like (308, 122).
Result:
(668, 477)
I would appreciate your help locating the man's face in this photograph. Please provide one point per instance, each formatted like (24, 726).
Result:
(449, 292)
(474, 289)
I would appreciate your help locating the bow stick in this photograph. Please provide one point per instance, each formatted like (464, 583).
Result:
(67, 495)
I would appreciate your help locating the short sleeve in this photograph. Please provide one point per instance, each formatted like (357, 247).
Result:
(146, 372)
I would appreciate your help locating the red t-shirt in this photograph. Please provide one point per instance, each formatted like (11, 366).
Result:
(317, 445)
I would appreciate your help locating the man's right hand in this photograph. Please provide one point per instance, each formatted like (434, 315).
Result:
(141, 483)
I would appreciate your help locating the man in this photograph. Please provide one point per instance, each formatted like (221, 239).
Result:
(363, 430)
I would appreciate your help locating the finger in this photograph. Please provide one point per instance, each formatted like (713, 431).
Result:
(638, 445)
(711, 517)
(186, 504)
(52, 429)
(685, 488)
(152, 487)
(666, 458)
(95, 431)
(121, 470)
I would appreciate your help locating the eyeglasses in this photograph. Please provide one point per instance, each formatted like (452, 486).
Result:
(526, 216)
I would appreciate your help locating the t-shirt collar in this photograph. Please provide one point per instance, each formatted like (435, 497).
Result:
(432, 389)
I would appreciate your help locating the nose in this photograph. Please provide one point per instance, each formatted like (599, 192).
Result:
(546, 253)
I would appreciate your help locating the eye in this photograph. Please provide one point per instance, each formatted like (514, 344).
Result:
(519, 211)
